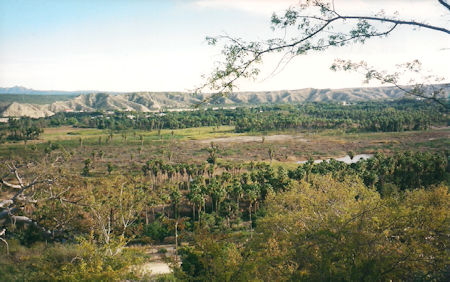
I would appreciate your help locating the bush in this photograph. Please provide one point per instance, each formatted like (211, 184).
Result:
(162, 251)
(85, 261)
(157, 231)
(166, 278)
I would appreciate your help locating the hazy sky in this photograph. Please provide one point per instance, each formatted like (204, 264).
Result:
(159, 45)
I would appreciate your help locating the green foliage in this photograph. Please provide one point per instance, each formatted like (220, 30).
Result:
(27, 235)
(165, 278)
(407, 170)
(85, 261)
(109, 167)
(212, 150)
(342, 230)
(249, 221)
(20, 129)
(86, 168)
(162, 251)
(325, 230)
(157, 231)
(210, 260)
(370, 117)
(395, 116)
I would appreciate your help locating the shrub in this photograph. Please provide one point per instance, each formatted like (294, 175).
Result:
(156, 230)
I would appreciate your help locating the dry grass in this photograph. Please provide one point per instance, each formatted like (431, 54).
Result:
(190, 145)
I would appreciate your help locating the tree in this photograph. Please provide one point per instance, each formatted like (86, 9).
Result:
(351, 154)
(87, 167)
(114, 205)
(271, 153)
(328, 230)
(39, 200)
(109, 167)
(2, 233)
(318, 26)
(176, 224)
(212, 150)
(197, 199)
(424, 88)
(101, 154)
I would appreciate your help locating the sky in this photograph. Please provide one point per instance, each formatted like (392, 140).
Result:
(159, 45)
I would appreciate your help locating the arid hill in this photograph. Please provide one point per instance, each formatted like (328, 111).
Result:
(156, 101)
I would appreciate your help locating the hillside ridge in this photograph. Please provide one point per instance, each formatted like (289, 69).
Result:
(156, 101)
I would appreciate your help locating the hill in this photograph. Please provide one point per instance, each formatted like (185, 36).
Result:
(156, 101)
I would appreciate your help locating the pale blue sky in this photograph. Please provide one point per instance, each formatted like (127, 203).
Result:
(139, 45)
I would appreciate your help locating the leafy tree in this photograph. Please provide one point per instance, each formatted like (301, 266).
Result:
(114, 206)
(87, 167)
(342, 230)
(210, 260)
(327, 229)
(212, 150)
(38, 200)
(83, 260)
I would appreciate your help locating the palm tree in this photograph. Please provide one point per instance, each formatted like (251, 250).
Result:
(252, 192)
(237, 191)
(271, 153)
(175, 197)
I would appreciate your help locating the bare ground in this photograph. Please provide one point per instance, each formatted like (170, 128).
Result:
(156, 268)
(158, 265)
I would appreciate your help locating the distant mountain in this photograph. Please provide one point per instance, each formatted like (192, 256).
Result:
(29, 91)
(156, 101)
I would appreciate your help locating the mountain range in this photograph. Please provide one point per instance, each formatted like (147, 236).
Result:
(157, 101)
(29, 91)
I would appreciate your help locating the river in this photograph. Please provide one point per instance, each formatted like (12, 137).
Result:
(345, 159)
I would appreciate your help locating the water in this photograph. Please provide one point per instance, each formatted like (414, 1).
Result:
(345, 159)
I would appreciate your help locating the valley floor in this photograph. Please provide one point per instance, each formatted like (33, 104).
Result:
(190, 145)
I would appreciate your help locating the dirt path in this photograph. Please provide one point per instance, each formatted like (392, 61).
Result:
(156, 268)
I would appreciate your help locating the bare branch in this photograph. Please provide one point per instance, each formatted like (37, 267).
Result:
(15, 186)
(445, 4)
(418, 90)
(241, 57)
(397, 22)
(2, 233)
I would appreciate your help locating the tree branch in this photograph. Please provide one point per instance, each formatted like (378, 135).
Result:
(240, 57)
(398, 22)
(445, 4)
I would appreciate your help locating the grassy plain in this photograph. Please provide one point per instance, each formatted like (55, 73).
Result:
(91, 134)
